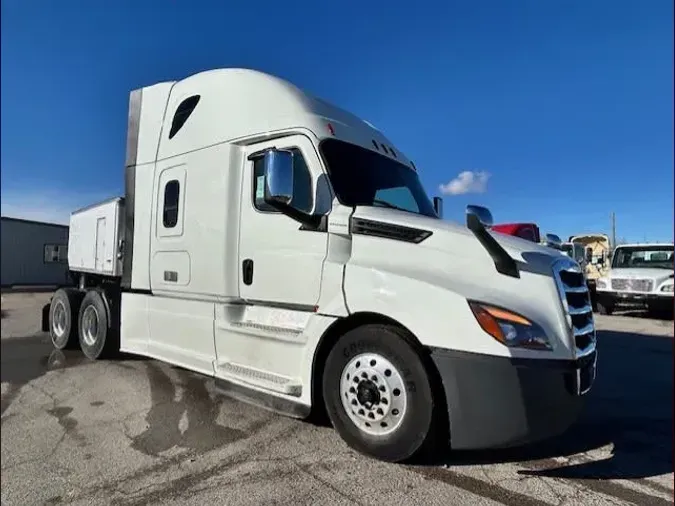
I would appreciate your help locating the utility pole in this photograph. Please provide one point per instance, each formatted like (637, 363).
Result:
(613, 219)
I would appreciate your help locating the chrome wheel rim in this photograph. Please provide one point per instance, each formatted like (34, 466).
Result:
(373, 394)
(59, 319)
(90, 322)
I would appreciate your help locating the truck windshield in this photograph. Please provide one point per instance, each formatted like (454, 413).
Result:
(361, 177)
(643, 257)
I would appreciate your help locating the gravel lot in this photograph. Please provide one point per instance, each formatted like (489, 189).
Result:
(138, 431)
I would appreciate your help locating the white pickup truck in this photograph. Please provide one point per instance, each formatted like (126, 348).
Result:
(639, 274)
(285, 248)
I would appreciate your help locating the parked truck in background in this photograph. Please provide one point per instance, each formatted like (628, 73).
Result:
(528, 231)
(597, 255)
(576, 251)
(285, 248)
(639, 275)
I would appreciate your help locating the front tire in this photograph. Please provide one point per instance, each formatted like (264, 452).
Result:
(97, 338)
(63, 315)
(660, 311)
(605, 309)
(379, 395)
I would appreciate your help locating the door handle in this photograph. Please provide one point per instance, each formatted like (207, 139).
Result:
(247, 271)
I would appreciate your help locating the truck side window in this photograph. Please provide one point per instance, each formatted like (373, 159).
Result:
(171, 194)
(183, 112)
(302, 185)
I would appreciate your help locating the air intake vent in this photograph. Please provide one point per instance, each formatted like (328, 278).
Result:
(388, 231)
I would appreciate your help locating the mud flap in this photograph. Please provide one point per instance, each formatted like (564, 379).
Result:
(45, 317)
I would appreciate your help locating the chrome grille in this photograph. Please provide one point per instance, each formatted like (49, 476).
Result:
(573, 291)
(633, 285)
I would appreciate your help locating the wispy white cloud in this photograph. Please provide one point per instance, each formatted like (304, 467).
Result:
(466, 182)
(46, 204)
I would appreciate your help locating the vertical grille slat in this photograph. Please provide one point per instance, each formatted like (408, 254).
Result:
(573, 292)
(572, 287)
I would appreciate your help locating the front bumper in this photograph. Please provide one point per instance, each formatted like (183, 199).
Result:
(635, 299)
(497, 402)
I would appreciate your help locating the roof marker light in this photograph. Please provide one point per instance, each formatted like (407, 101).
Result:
(331, 129)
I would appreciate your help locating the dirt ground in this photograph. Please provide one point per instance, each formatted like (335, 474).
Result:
(137, 431)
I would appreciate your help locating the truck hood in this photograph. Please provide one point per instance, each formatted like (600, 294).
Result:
(458, 241)
(640, 273)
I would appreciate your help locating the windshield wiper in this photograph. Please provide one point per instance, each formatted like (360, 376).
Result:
(389, 205)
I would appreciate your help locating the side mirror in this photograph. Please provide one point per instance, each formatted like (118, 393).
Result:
(553, 241)
(478, 217)
(278, 169)
(438, 206)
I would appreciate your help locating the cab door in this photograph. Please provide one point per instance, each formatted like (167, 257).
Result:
(280, 261)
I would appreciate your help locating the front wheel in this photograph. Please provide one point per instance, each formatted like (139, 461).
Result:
(604, 308)
(379, 395)
(660, 311)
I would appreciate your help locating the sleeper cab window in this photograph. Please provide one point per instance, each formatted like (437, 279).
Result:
(302, 184)
(183, 112)
(171, 200)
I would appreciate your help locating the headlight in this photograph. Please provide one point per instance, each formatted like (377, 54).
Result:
(667, 288)
(510, 329)
(601, 283)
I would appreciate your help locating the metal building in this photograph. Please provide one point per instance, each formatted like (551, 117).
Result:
(33, 252)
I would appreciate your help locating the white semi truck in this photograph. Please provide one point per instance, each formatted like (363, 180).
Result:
(639, 275)
(286, 248)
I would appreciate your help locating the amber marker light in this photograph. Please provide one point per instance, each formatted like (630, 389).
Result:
(510, 329)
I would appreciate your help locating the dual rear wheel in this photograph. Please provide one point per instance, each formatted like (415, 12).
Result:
(81, 318)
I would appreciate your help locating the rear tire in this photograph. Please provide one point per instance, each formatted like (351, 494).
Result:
(379, 395)
(97, 337)
(63, 317)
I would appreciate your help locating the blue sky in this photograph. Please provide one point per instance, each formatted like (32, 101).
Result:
(561, 111)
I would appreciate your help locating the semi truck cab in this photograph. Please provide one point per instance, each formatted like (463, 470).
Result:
(287, 249)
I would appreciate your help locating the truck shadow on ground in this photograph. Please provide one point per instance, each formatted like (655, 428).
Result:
(643, 313)
(630, 407)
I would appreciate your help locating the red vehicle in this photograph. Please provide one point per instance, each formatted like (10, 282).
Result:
(529, 231)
